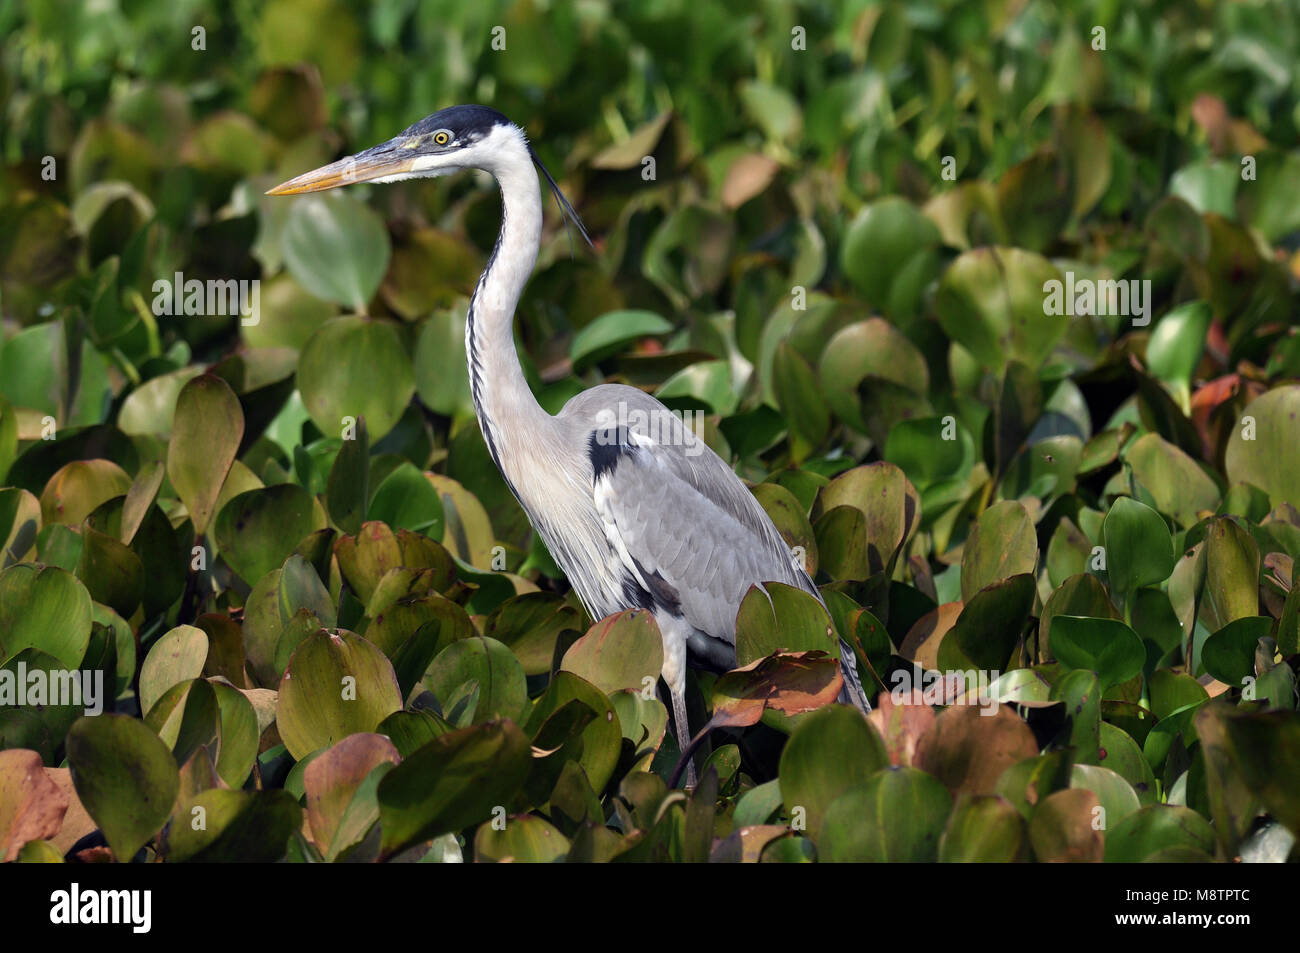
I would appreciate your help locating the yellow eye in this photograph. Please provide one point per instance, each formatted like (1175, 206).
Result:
(441, 138)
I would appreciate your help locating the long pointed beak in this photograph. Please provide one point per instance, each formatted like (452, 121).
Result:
(358, 168)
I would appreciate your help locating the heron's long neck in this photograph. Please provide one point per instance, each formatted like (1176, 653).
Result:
(510, 417)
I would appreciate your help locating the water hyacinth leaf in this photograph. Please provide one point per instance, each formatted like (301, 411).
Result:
(503, 689)
(886, 499)
(347, 491)
(411, 730)
(334, 777)
(831, 751)
(257, 530)
(1231, 572)
(1177, 486)
(79, 487)
(968, 751)
(1121, 754)
(176, 657)
(1114, 794)
(365, 558)
(32, 805)
(799, 398)
(898, 815)
(187, 718)
(112, 573)
(405, 499)
(602, 737)
(883, 242)
(788, 682)
(982, 830)
(525, 839)
(1155, 828)
(355, 367)
(1002, 544)
(1063, 828)
(611, 332)
(240, 733)
(1261, 446)
(44, 608)
(207, 428)
(125, 778)
(1140, 551)
(991, 301)
(20, 522)
(989, 627)
(1263, 748)
(335, 685)
(1178, 341)
(873, 360)
(621, 651)
(453, 782)
(1106, 647)
(336, 248)
(248, 826)
(781, 618)
(1082, 595)
(1229, 654)
(790, 518)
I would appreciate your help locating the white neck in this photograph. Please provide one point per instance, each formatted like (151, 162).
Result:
(511, 419)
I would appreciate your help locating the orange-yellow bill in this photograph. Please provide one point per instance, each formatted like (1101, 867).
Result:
(353, 169)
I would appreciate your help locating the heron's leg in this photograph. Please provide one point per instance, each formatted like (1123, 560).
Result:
(673, 631)
(683, 731)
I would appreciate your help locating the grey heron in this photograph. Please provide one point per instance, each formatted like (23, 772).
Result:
(636, 510)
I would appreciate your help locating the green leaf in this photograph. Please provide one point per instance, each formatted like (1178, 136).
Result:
(1139, 549)
(898, 815)
(45, 608)
(1231, 572)
(453, 782)
(502, 685)
(524, 839)
(886, 241)
(176, 657)
(347, 492)
(258, 529)
(125, 778)
(206, 431)
(982, 830)
(988, 629)
(618, 652)
(1177, 486)
(1261, 447)
(611, 332)
(406, 499)
(781, 618)
(1177, 341)
(1229, 654)
(335, 685)
(239, 826)
(1155, 828)
(991, 301)
(336, 248)
(1003, 543)
(355, 367)
(830, 752)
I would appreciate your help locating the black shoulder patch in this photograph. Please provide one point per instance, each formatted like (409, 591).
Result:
(606, 448)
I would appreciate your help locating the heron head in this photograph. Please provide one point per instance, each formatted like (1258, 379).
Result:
(452, 139)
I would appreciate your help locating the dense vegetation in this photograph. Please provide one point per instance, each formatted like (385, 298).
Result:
(870, 243)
